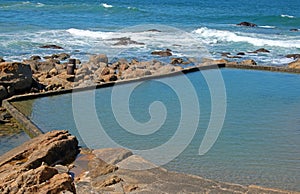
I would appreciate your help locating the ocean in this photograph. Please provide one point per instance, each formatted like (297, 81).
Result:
(188, 27)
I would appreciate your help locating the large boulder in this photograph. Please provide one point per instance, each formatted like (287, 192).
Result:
(31, 167)
(3, 93)
(15, 75)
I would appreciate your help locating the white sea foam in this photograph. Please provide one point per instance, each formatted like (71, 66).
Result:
(90, 34)
(287, 16)
(271, 27)
(105, 5)
(213, 36)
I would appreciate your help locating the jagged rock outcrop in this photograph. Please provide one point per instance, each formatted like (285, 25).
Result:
(15, 77)
(30, 168)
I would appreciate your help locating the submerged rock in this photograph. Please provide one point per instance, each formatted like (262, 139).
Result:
(52, 46)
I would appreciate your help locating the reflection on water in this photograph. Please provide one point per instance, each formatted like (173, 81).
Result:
(259, 142)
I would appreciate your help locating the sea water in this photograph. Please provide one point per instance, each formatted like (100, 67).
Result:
(88, 27)
(258, 143)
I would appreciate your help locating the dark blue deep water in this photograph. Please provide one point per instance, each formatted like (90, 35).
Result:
(86, 27)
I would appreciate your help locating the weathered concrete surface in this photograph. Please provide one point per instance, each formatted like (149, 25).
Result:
(117, 178)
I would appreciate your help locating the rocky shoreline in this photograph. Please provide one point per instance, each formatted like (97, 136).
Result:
(54, 74)
(53, 163)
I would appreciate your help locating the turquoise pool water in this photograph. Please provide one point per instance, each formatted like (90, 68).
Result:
(258, 144)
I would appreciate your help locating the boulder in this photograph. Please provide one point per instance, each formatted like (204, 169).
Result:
(165, 53)
(96, 59)
(126, 41)
(27, 168)
(248, 24)
(176, 61)
(35, 58)
(294, 56)
(248, 62)
(294, 30)
(240, 53)
(52, 46)
(1, 60)
(295, 64)
(16, 75)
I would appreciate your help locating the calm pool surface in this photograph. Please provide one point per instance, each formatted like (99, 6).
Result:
(258, 144)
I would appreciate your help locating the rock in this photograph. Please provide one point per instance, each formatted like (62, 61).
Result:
(109, 78)
(53, 72)
(3, 93)
(123, 67)
(27, 168)
(240, 53)
(35, 58)
(153, 30)
(234, 56)
(52, 46)
(248, 62)
(96, 59)
(295, 64)
(126, 41)
(207, 61)
(176, 61)
(225, 54)
(294, 30)
(112, 155)
(60, 56)
(16, 75)
(248, 24)
(1, 60)
(261, 50)
(105, 71)
(294, 56)
(165, 53)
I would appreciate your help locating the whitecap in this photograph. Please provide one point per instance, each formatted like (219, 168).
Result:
(269, 27)
(89, 34)
(287, 16)
(213, 36)
(105, 5)
(40, 5)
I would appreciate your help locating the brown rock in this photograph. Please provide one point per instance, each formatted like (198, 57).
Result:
(1, 60)
(295, 64)
(35, 58)
(248, 62)
(108, 78)
(176, 61)
(96, 59)
(165, 53)
(25, 169)
(16, 75)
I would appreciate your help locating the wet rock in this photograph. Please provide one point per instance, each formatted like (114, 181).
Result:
(51, 46)
(27, 168)
(225, 54)
(1, 60)
(126, 41)
(294, 30)
(261, 50)
(248, 24)
(248, 62)
(61, 56)
(153, 30)
(234, 56)
(295, 64)
(240, 53)
(16, 75)
(294, 56)
(35, 58)
(176, 61)
(165, 53)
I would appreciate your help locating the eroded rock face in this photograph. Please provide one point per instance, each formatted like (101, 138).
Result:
(27, 169)
(16, 76)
